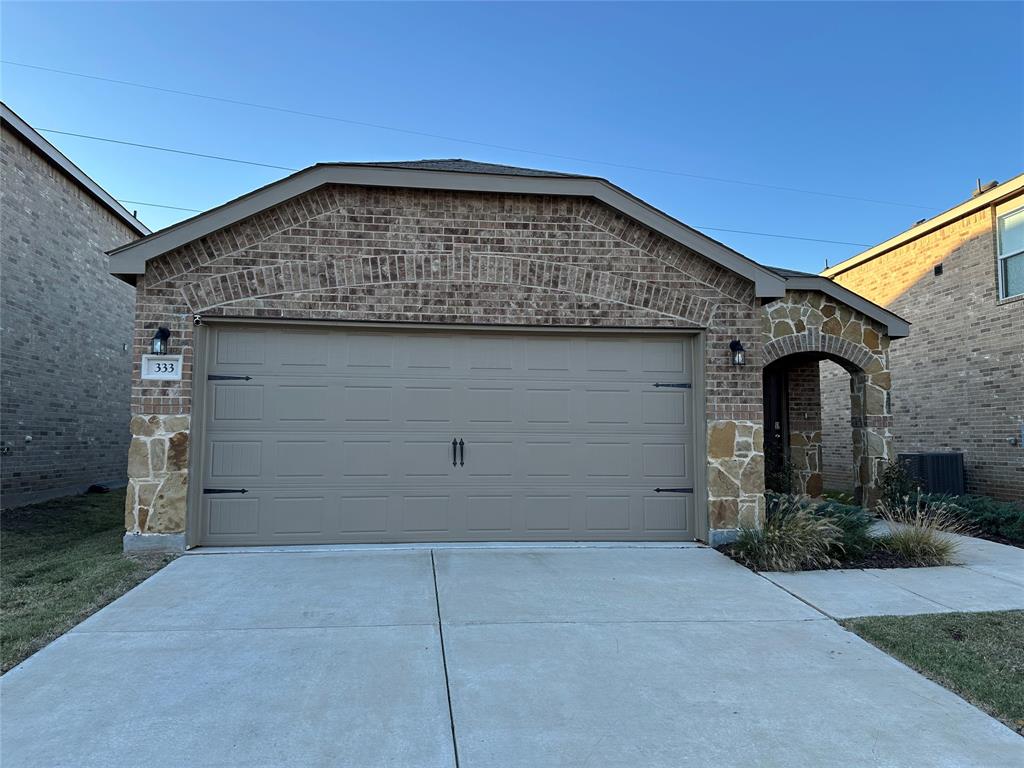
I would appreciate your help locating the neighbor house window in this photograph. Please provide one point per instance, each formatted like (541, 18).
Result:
(1010, 227)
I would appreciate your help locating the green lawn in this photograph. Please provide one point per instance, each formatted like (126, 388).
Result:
(59, 562)
(980, 656)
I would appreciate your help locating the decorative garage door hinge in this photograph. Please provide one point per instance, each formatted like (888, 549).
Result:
(225, 490)
(225, 377)
(672, 384)
(673, 490)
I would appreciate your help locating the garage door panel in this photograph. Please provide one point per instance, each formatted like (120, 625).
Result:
(490, 513)
(425, 459)
(545, 405)
(608, 513)
(345, 436)
(302, 459)
(302, 402)
(367, 403)
(363, 514)
(241, 346)
(294, 515)
(369, 351)
(237, 403)
(424, 404)
(487, 405)
(233, 517)
(664, 356)
(430, 354)
(665, 407)
(235, 459)
(667, 513)
(427, 513)
(308, 350)
(608, 460)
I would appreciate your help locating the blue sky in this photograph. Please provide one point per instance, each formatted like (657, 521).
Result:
(900, 102)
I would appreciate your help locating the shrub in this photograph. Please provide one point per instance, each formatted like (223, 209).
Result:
(919, 530)
(793, 538)
(843, 497)
(854, 523)
(1002, 519)
(783, 479)
(897, 483)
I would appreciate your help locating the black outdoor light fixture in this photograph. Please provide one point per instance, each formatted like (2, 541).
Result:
(158, 345)
(739, 355)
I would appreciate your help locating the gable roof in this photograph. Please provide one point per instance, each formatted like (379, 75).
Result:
(450, 175)
(996, 194)
(10, 118)
(469, 166)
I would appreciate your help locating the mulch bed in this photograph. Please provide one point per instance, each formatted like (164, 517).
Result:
(878, 558)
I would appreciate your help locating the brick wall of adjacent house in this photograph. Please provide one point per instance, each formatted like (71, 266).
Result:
(65, 322)
(804, 409)
(959, 377)
(836, 444)
(351, 253)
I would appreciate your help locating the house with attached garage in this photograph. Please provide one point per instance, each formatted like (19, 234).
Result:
(455, 351)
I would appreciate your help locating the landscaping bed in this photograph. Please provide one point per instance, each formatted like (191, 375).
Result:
(804, 534)
(979, 656)
(62, 561)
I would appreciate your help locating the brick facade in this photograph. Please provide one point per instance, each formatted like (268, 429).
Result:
(961, 372)
(350, 253)
(60, 307)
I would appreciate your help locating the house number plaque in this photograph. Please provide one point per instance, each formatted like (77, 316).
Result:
(161, 367)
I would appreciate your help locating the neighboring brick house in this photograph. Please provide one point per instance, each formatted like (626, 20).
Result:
(64, 366)
(449, 350)
(959, 278)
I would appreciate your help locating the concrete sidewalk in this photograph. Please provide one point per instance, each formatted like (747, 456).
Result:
(990, 578)
(475, 657)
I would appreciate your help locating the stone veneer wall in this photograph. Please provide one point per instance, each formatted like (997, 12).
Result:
(735, 475)
(370, 254)
(960, 373)
(814, 326)
(158, 467)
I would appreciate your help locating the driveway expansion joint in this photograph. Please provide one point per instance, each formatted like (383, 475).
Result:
(444, 662)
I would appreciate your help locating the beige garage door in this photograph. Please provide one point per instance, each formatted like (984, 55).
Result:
(338, 435)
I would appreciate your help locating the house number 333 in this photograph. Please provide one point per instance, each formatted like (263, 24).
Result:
(162, 367)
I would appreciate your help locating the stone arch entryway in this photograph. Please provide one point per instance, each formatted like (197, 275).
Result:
(801, 331)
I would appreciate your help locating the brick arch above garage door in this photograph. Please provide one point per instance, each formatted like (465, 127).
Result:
(328, 282)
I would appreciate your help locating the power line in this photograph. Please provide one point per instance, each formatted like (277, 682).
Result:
(379, 126)
(158, 205)
(785, 237)
(286, 168)
(166, 149)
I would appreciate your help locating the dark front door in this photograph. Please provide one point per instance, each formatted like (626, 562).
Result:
(776, 432)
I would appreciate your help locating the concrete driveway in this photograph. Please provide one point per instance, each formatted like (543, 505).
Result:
(560, 656)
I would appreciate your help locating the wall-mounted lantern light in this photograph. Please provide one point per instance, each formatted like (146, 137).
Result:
(739, 355)
(158, 346)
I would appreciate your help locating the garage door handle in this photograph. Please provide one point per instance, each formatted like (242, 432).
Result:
(455, 448)
(673, 490)
(462, 453)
